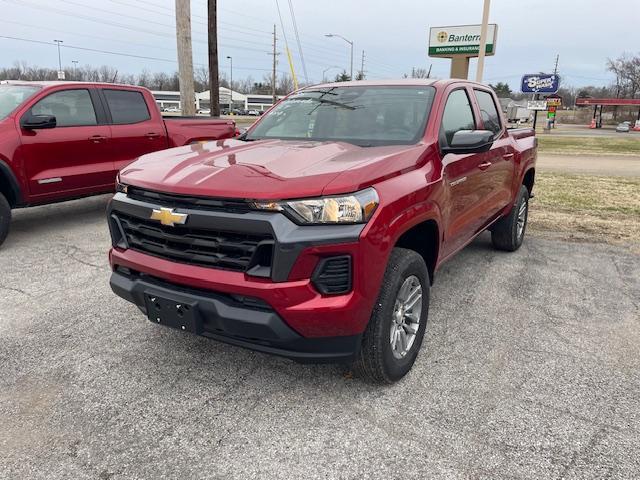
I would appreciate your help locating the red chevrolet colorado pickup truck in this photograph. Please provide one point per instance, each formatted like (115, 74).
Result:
(316, 234)
(64, 140)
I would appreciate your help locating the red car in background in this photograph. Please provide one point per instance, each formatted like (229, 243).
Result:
(64, 140)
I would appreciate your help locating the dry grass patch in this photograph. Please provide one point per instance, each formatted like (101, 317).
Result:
(587, 207)
(626, 144)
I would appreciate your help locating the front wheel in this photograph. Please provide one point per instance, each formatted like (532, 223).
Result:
(5, 218)
(508, 233)
(394, 335)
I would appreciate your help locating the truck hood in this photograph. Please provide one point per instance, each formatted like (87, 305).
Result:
(266, 169)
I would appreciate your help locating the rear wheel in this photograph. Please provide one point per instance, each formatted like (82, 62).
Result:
(508, 233)
(5, 218)
(394, 335)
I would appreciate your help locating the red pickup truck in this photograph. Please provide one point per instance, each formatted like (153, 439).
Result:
(317, 234)
(64, 140)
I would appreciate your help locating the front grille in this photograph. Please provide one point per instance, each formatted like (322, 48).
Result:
(195, 246)
(184, 201)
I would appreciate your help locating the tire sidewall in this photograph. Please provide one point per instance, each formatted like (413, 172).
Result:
(523, 197)
(397, 368)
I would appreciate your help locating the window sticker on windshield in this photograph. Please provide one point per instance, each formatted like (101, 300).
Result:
(300, 100)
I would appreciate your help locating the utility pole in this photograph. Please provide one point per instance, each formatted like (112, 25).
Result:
(60, 74)
(555, 69)
(429, 72)
(230, 85)
(214, 82)
(273, 74)
(483, 40)
(351, 75)
(362, 66)
(185, 57)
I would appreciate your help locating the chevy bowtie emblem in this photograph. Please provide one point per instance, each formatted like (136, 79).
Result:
(166, 216)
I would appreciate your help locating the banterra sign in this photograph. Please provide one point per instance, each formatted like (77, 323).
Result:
(460, 40)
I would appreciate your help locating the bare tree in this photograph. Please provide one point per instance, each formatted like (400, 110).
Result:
(419, 73)
(145, 79)
(201, 77)
(626, 68)
(285, 84)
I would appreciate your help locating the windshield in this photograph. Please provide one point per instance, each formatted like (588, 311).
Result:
(13, 95)
(365, 116)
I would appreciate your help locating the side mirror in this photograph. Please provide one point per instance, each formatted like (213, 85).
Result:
(470, 141)
(35, 122)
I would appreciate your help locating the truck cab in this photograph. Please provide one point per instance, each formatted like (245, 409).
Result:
(65, 140)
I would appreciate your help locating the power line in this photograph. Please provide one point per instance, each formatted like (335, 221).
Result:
(66, 32)
(102, 20)
(72, 34)
(295, 28)
(120, 25)
(252, 31)
(322, 55)
(109, 52)
(286, 43)
(89, 49)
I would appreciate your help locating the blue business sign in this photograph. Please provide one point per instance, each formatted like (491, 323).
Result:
(540, 83)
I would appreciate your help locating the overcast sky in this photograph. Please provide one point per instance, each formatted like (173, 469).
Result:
(393, 33)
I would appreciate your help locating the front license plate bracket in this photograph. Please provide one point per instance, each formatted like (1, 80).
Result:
(173, 312)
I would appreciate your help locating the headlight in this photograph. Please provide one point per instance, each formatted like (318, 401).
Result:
(355, 208)
(121, 187)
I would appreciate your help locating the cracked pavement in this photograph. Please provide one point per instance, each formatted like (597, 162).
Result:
(530, 369)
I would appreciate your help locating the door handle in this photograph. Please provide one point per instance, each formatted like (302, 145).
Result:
(152, 135)
(484, 165)
(508, 156)
(97, 138)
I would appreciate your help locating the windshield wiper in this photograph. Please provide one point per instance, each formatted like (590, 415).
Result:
(245, 138)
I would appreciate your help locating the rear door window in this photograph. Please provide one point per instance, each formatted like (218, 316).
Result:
(126, 106)
(458, 115)
(489, 112)
(72, 108)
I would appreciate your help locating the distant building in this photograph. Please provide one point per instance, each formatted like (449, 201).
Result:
(241, 101)
(260, 102)
(168, 99)
(224, 98)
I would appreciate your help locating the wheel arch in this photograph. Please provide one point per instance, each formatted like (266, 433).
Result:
(9, 186)
(528, 179)
(424, 239)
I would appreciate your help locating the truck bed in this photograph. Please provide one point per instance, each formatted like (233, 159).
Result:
(183, 130)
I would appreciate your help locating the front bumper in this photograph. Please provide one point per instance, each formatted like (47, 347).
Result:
(286, 287)
(255, 326)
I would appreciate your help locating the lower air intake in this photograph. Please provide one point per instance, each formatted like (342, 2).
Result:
(332, 276)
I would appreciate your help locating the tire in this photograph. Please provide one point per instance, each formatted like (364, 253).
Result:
(376, 361)
(506, 234)
(5, 218)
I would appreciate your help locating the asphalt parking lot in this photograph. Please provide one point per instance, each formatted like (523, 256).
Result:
(530, 369)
